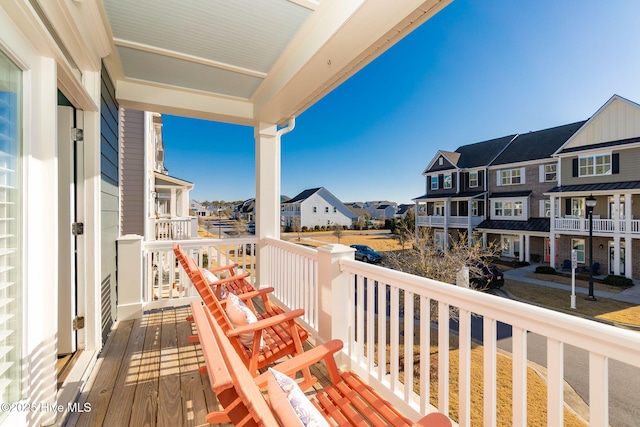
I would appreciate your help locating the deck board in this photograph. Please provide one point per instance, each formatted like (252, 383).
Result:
(148, 376)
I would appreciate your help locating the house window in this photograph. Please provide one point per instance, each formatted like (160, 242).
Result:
(440, 161)
(315, 209)
(578, 245)
(510, 176)
(447, 183)
(497, 211)
(335, 209)
(517, 208)
(474, 208)
(434, 182)
(594, 165)
(326, 209)
(550, 172)
(473, 179)
(10, 229)
(508, 208)
(577, 207)
(547, 208)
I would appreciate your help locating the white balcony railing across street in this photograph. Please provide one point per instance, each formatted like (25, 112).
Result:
(599, 225)
(452, 221)
(386, 317)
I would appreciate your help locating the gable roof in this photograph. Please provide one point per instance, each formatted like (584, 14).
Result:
(625, 116)
(304, 195)
(537, 145)
(482, 153)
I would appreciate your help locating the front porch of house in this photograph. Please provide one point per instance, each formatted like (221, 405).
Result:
(343, 298)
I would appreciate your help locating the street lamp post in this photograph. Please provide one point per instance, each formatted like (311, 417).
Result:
(591, 203)
(219, 223)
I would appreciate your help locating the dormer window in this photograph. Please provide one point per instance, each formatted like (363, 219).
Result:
(440, 161)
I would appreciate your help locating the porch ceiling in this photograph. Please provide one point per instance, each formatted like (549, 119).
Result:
(245, 61)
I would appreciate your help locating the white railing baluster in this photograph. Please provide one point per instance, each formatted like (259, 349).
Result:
(489, 343)
(598, 390)
(555, 382)
(443, 357)
(394, 335)
(359, 342)
(519, 356)
(425, 354)
(408, 345)
(464, 382)
(371, 324)
(382, 333)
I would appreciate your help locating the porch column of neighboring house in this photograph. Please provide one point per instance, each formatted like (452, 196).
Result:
(267, 195)
(552, 233)
(446, 224)
(415, 220)
(527, 249)
(484, 240)
(173, 211)
(469, 224)
(616, 234)
(628, 241)
(523, 249)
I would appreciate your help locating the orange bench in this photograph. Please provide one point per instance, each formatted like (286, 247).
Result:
(348, 401)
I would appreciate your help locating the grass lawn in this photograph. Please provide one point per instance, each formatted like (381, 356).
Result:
(378, 242)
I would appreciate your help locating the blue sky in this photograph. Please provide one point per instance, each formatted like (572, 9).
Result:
(476, 71)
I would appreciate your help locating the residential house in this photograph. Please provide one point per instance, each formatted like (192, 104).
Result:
(380, 210)
(245, 210)
(316, 207)
(199, 209)
(456, 190)
(153, 203)
(518, 211)
(403, 209)
(601, 160)
(67, 68)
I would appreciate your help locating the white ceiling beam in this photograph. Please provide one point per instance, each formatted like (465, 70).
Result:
(339, 39)
(309, 4)
(189, 58)
(178, 102)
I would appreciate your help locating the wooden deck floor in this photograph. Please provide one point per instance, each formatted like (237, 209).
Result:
(148, 376)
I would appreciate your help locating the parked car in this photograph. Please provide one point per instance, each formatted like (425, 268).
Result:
(485, 276)
(366, 254)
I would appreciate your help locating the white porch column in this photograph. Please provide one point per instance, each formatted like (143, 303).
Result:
(616, 214)
(523, 249)
(173, 204)
(628, 257)
(446, 225)
(552, 233)
(267, 194)
(334, 294)
(628, 216)
(130, 277)
(527, 248)
(484, 240)
(616, 255)
(469, 224)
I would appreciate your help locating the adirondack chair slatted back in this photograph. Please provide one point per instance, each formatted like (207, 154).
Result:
(281, 338)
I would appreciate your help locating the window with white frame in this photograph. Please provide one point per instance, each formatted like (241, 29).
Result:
(326, 209)
(497, 209)
(448, 181)
(594, 165)
(550, 172)
(434, 182)
(511, 176)
(315, 209)
(473, 179)
(577, 207)
(10, 229)
(335, 209)
(508, 209)
(547, 208)
(578, 245)
(474, 208)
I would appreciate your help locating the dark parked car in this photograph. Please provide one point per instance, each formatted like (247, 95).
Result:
(366, 254)
(485, 276)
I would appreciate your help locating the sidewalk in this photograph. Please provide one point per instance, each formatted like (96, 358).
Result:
(631, 295)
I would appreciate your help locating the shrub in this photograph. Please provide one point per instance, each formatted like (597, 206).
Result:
(316, 228)
(545, 269)
(304, 229)
(621, 281)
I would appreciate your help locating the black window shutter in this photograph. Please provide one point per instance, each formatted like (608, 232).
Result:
(567, 206)
(615, 163)
(575, 167)
(440, 181)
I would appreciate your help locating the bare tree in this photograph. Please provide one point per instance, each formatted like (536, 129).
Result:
(239, 227)
(338, 231)
(296, 227)
(404, 229)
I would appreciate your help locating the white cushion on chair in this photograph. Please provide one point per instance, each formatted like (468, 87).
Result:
(290, 404)
(241, 315)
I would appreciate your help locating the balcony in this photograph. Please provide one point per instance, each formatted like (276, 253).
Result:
(602, 226)
(172, 228)
(343, 298)
(452, 221)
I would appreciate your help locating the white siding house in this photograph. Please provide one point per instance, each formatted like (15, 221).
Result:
(316, 207)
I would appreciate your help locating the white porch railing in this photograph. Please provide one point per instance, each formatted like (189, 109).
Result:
(453, 221)
(175, 228)
(599, 225)
(371, 308)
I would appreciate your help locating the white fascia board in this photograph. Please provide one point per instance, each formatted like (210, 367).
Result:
(521, 164)
(339, 39)
(438, 154)
(178, 102)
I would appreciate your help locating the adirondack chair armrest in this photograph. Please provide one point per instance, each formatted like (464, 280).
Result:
(230, 267)
(262, 293)
(434, 419)
(230, 279)
(290, 367)
(289, 316)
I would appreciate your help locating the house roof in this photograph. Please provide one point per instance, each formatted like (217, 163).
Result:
(304, 195)
(244, 61)
(482, 153)
(537, 145)
(463, 195)
(602, 186)
(171, 181)
(510, 194)
(532, 224)
(607, 144)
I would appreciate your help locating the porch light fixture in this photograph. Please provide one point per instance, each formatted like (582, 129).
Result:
(591, 203)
